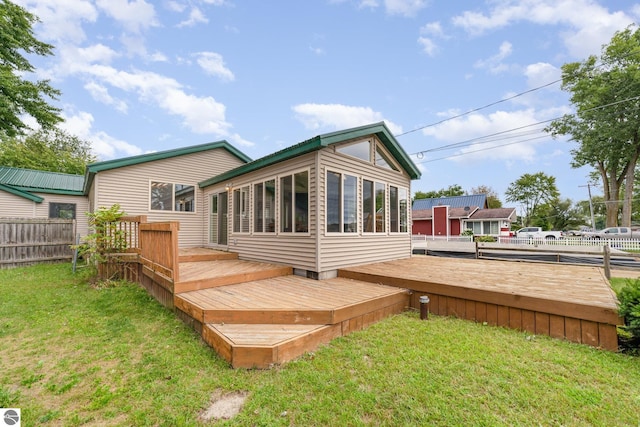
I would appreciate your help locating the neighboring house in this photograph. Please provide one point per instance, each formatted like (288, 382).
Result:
(451, 216)
(26, 193)
(336, 200)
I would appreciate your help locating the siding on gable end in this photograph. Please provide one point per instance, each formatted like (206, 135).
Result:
(353, 249)
(298, 251)
(12, 206)
(129, 187)
(82, 207)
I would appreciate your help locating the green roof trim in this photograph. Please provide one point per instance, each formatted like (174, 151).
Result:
(321, 141)
(94, 168)
(21, 193)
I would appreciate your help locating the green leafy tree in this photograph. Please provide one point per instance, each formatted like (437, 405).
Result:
(452, 190)
(531, 191)
(606, 125)
(563, 215)
(19, 96)
(50, 150)
(493, 201)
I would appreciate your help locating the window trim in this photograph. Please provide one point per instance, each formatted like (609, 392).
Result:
(173, 198)
(254, 211)
(244, 189)
(341, 231)
(279, 198)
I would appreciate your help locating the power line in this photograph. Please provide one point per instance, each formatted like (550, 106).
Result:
(601, 64)
(479, 140)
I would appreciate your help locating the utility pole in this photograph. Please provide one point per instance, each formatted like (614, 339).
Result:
(593, 222)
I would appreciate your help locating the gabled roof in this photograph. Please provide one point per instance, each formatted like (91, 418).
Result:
(94, 168)
(23, 182)
(496, 213)
(479, 200)
(319, 142)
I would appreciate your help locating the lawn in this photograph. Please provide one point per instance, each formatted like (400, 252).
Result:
(76, 354)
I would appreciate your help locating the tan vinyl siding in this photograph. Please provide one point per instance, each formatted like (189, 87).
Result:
(82, 207)
(348, 249)
(12, 206)
(296, 250)
(129, 186)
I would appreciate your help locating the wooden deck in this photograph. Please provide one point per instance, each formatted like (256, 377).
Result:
(563, 301)
(257, 315)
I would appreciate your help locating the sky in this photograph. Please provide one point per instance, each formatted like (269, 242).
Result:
(139, 76)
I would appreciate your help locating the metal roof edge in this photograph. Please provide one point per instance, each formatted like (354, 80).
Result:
(20, 193)
(161, 155)
(304, 147)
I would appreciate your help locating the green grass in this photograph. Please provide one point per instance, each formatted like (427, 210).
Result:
(72, 354)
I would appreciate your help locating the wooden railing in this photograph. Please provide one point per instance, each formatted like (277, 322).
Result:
(158, 244)
(130, 225)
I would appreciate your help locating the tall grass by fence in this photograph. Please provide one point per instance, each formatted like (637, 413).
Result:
(28, 241)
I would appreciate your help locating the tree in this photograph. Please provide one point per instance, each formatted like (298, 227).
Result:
(493, 201)
(452, 190)
(606, 124)
(54, 150)
(19, 96)
(532, 190)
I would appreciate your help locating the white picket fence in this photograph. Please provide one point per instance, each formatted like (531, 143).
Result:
(620, 244)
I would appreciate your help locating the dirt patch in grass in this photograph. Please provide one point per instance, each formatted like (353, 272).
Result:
(224, 406)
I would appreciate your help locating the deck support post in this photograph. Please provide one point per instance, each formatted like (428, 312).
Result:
(606, 258)
(424, 307)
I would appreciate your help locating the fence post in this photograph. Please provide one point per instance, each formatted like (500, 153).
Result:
(606, 258)
(477, 250)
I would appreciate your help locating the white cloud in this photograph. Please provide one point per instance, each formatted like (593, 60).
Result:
(135, 16)
(589, 25)
(61, 20)
(404, 7)
(337, 116)
(428, 45)
(541, 73)
(213, 63)
(494, 64)
(517, 145)
(195, 17)
(101, 94)
(433, 29)
(175, 6)
(103, 145)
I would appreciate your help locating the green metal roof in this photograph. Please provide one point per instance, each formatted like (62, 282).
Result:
(23, 182)
(321, 141)
(93, 168)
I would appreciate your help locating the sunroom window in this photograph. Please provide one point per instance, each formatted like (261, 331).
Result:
(264, 201)
(294, 203)
(341, 202)
(241, 210)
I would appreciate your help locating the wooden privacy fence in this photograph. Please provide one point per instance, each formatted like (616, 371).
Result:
(27, 241)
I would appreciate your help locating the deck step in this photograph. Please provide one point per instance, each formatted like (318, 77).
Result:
(263, 346)
(211, 274)
(204, 254)
(266, 322)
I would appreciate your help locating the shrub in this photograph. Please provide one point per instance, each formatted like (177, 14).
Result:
(629, 297)
(107, 238)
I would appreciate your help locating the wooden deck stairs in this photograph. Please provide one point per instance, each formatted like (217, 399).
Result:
(256, 315)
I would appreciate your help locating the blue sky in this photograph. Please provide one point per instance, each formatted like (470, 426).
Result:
(140, 76)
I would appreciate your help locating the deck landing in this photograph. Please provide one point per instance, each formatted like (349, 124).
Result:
(261, 323)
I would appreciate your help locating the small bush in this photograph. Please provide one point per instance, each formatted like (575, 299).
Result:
(629, 297)
(488, 239)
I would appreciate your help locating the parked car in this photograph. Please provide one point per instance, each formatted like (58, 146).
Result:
(579, 232)
(538, 233)
(613, 233)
